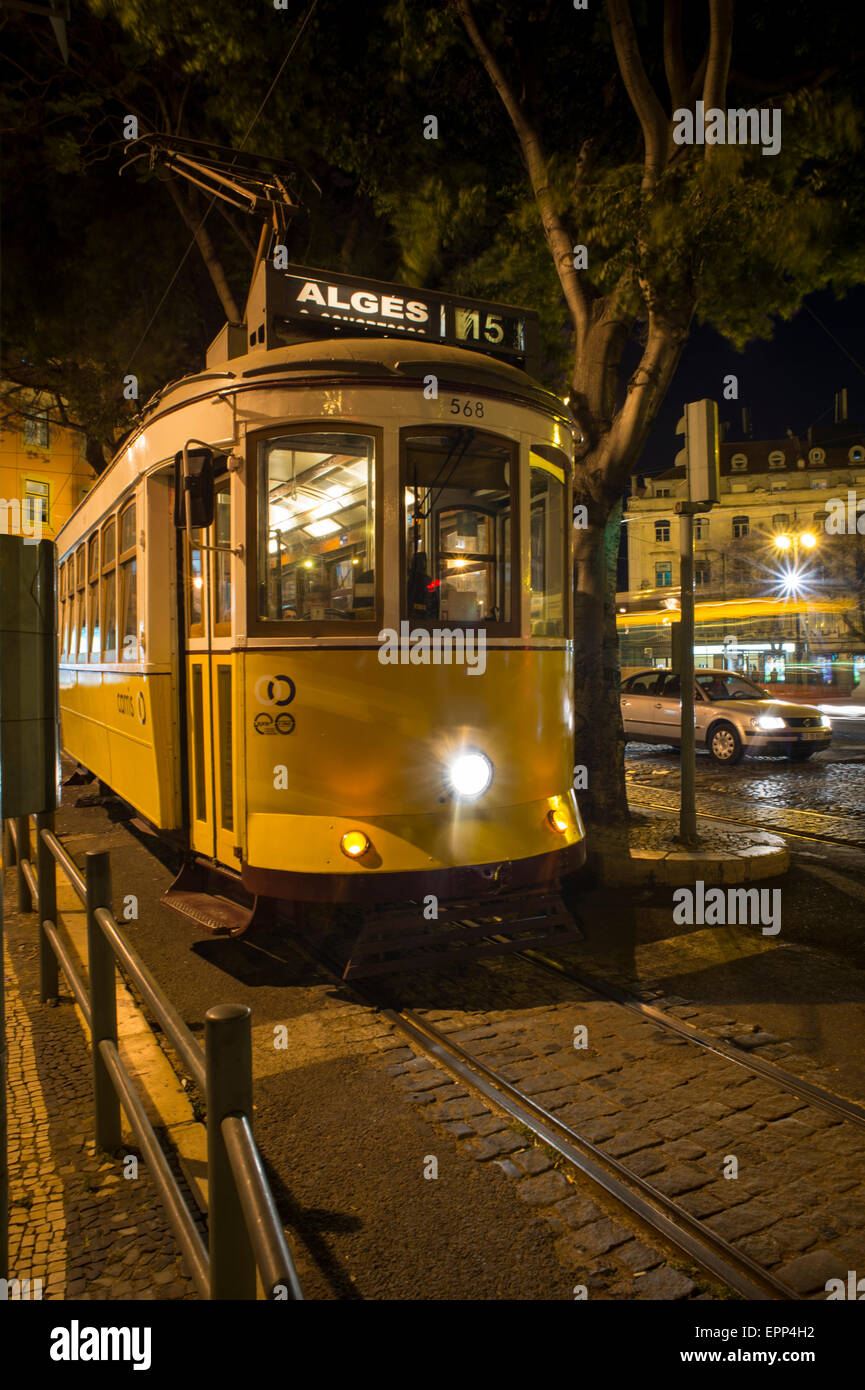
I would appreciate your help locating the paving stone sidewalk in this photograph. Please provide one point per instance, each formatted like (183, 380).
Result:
(76, 1223)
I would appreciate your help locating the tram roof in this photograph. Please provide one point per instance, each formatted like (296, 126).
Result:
(387, 361)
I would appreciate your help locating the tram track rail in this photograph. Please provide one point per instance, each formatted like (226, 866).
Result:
(684, 1232)
(723, 1047)
(815, 837)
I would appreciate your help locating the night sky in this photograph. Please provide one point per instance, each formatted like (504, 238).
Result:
(788, 381)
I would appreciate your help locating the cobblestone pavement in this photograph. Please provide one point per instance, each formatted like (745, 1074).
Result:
(75, 1223)
(598, 1251)
(814, 798)
(672, 1113)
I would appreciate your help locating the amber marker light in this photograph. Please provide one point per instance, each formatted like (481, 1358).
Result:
(558, 820)
(354, 843)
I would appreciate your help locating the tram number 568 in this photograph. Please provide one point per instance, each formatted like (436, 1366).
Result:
(472, 408)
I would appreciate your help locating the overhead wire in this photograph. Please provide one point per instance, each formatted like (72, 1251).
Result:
(307, 17)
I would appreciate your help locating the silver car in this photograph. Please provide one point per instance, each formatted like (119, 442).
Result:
(732, 715)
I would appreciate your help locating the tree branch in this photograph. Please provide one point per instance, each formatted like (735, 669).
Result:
(576, 290)
(718, 62)
(644, 99)
(674, 58)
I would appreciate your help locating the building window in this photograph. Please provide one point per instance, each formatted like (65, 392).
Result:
(777, 459)
(819, 483)
(663, 574)
(739, 462)
(781, 521)
(662, 492)
(701, 573)
(37, 432)
(701, 528)
(741, 527)
(662, 530)
(37, 496)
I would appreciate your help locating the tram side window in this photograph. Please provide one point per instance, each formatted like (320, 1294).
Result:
(128, 573)
(81, 586)
(93, 596)
(316, 527)
(547, 508)
(61, 610)
(222, 559)
(109, 591)
(458, 505)
(195, 583)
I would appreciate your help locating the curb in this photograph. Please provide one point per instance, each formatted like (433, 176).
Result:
(762, 856)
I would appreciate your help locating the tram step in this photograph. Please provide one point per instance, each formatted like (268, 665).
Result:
(212, 899)
(400, 939)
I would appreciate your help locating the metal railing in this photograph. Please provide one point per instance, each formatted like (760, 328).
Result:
(244, 1229)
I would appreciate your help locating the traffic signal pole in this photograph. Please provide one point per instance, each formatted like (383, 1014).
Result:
(699, 424)
(688, 806)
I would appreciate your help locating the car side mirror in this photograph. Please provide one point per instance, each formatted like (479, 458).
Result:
(194, 492)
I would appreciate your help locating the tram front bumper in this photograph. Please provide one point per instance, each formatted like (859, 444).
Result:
(463, 850)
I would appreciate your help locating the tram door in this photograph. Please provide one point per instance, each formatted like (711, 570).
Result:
(209, 684)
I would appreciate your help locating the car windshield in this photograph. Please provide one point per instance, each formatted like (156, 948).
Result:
(723, 685)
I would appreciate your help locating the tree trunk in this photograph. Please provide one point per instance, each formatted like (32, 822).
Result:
(598, 736)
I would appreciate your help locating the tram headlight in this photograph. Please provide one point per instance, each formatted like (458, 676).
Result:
(825, 721)
(354, 844)
(558, 820)
(468, 775)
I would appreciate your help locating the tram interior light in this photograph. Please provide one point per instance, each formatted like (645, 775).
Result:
(469, 775)
(321, 528)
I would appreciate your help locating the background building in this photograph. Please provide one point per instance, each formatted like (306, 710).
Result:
(778, 595)
(44, 473)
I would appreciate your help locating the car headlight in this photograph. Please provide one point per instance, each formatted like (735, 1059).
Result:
(468, 775)
(767, 722)
(825, 721)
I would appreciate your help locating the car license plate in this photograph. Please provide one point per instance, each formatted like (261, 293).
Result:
(813, 733)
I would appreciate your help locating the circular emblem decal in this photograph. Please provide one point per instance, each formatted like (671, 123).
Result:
(275, 690)
(142, 709)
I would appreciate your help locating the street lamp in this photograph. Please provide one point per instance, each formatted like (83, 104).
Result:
(791, 581)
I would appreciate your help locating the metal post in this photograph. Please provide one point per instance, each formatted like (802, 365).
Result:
(228, 1051)
(22, 832)
(8, 845)
(688, 811)
(103, 1000)
(46, 870)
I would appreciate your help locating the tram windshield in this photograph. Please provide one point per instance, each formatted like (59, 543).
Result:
(458, 506)
(316, 557)
(547, 475)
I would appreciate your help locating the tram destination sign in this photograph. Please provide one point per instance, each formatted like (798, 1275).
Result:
(322, 303)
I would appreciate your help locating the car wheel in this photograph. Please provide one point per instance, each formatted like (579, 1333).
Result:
(724, 744)
(799, 753)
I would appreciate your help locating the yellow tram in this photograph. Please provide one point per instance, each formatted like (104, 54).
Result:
(315, 615)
